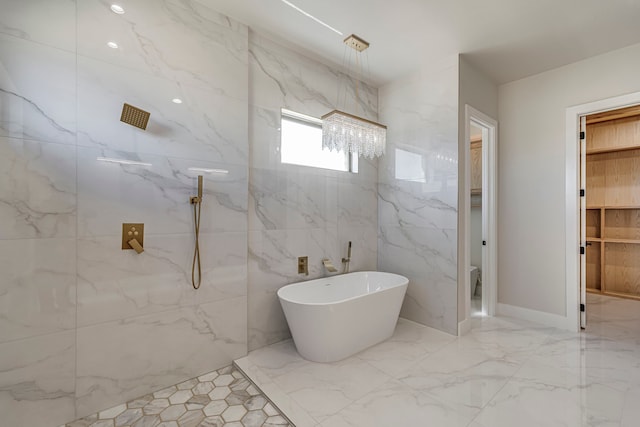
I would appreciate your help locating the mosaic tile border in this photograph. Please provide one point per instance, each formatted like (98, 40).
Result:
(225, 397)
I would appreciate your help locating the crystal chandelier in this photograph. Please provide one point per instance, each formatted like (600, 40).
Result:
(349, 133)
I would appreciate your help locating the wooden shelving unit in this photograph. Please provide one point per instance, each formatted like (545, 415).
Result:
(613, 204)
(476, 166)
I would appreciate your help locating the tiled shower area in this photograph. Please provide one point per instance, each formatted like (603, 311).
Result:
(85, 325)
(221, 398)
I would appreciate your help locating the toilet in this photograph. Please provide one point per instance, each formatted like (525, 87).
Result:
(473, 275)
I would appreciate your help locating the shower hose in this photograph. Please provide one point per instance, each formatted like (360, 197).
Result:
(196, 252)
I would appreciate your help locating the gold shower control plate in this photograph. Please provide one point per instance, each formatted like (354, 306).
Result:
(303, 265)
(132, 231)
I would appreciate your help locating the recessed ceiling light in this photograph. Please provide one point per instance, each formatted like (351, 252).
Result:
(176, 101)
(307, 14)
(117, 9)
(112, 45)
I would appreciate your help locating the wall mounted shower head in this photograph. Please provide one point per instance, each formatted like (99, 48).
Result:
(134, 116)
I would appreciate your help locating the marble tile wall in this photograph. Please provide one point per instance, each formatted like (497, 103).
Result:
(418, 192)
(295, 210)
(83, 324)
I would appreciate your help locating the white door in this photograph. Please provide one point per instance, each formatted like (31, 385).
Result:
(583, 224)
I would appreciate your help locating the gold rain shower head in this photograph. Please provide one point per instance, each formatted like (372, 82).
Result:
(134, 116)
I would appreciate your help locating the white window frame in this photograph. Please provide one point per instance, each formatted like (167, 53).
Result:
(350, 160)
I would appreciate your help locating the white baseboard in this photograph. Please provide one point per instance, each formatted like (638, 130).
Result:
(464, 327)
(547, 319)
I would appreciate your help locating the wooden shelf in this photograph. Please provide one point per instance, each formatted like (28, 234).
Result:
(634, 242)
(620, 113)
(595, 207)
(612, 149)
(613, 196)
(621, 295)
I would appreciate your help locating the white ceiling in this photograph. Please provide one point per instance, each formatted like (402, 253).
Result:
(507, 39)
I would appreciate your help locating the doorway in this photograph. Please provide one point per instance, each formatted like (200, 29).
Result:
(609, 206)
(479, 209)
(476, 221)
(576, 227)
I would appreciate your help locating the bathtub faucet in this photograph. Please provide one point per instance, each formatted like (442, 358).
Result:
(329, 265)
(347, 260)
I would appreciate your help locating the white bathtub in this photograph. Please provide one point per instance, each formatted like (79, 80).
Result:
(336, 317)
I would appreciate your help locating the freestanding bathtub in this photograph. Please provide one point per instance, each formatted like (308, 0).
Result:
(338, 316)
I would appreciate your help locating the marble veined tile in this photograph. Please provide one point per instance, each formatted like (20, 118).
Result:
(273, 257)
(323, 389)
(428, 258)
(266, 320)
(410, 343)
(157, 193)
(207, 125)
(51, 22)
(37, 189)
(115, 284)
(282, 400)
(615, 363)
(631, 409)
(535, 402)
(277, 359)
(412, 204)
(399, 405)
(178, 41)
(37, 380)
(520, 338)
(121, 360)
(38, 287)
(288, 200)
(357, 204)
(282, 78)
(364, 247)
(466, 377)
(265, 138)
(37, 91)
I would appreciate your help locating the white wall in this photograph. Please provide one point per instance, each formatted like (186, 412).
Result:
(531, 267)
(478, 91)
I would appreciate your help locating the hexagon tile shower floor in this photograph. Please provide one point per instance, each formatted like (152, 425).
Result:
(221, 398)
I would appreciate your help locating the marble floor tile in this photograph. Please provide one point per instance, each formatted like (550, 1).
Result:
(397, 405)
(325, 388)
(410, 343)
(505, 372)
(194, 403)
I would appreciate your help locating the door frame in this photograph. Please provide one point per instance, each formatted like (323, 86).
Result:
(572, 196)
(489, 215)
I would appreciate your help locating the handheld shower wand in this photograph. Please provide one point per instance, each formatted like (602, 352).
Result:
(347, 260)
(196, 201)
